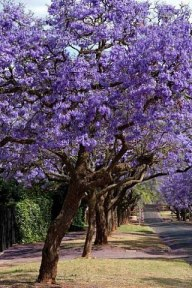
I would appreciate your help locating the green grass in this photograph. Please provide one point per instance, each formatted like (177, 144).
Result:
(167, 215)
(132, 228)
(128, 273)
(106, 273)
(137, 237)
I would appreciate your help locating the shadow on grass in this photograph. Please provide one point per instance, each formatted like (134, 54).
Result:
(71, 246)
(25, 284)
(18, 278)
(16, 284)
(139, 244)
(18, 271)
(169, 282)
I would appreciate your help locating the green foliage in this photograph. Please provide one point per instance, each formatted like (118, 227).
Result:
(148, 191)
(32, 209)
(33, 217)
(131, 228)
(79, 218)
(10, 191)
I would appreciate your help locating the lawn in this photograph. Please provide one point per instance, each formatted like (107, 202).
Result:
(139, 237)
(105, 273)
(167, 215)
(135, 228)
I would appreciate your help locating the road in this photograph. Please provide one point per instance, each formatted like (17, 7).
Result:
(176, 235)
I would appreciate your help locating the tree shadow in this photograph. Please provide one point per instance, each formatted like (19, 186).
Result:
(22, 251)
(141, 232)
(16, 284)
(70, 245)
(26, 284)
(18, 278)
(151, 243)
(169, 282)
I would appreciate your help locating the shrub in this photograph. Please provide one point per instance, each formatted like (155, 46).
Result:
(33, 218)
(78, 219)
(10, 191)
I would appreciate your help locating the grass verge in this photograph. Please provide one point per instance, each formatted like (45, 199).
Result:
(134, 228)
(105, 273)
(137, 237)
(167, 215)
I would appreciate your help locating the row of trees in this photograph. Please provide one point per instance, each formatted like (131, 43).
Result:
(176, 190)
(105, 213)
(98, 97)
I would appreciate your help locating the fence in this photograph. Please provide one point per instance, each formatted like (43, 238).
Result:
(7, 227)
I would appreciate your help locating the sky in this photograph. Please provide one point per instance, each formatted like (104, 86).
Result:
(39, 7)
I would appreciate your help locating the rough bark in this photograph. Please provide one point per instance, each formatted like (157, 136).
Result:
(57, 230)
(109, 220)
(101, 223)
(123, 216)
(91, 226)
(108, 213)
(114, 220)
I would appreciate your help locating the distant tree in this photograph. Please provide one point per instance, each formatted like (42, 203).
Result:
(177, 192)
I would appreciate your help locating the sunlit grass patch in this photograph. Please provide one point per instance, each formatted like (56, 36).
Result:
(134, 228)
(167, 215)
(106, 273)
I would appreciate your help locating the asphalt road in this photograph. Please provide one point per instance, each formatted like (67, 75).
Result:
(176, 235)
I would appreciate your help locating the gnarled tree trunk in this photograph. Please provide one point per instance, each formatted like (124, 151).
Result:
(91, 226)
(57, 230)
(101, 223)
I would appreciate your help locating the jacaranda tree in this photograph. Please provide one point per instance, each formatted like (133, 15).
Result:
(176, 190)
(95, 96)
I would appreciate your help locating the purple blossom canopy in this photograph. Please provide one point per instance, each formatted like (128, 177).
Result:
(95, 73)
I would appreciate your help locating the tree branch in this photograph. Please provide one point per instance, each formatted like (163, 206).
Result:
(120, 154)
(123, 184)
(9, 139)
(63, 156)
(161, 174)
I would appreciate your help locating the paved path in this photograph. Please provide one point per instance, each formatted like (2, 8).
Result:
(177, 235)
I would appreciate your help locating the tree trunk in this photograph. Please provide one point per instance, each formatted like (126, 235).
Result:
(125, 217)
(114, 219)
(118, 217)
(101, 223)
(91, 226)
(109, 216)
(55, 234)
(184, 214)
(178, 214)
